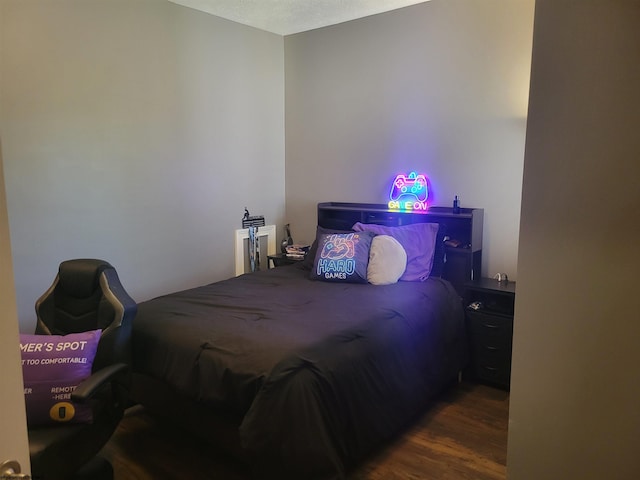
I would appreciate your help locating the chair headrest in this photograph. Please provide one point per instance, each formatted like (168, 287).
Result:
(81, 277)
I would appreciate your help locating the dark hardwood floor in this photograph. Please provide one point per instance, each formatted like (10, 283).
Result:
(461, 436)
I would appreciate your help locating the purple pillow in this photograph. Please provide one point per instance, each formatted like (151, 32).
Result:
(342, 257)
(52, 367)
(417, 239)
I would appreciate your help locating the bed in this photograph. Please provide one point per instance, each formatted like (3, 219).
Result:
(299, 377)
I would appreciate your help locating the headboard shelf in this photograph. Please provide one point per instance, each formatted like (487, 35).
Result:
(463, 262)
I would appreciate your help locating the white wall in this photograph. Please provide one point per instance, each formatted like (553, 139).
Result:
(440, 87)
(575, 389)
(137, 132)
(125, 124)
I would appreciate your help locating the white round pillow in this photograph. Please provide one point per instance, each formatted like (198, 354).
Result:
(387, 260)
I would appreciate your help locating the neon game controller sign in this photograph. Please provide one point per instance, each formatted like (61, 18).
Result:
(409, 193)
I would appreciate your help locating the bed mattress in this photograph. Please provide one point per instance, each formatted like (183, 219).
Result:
(318, 372)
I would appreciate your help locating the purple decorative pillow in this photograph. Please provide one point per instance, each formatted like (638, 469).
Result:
(417, 239)
(342, 257)
(52, 367)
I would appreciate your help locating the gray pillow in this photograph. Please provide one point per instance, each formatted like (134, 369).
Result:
(387, 260)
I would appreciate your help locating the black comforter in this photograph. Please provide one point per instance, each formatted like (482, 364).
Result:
(319, 372)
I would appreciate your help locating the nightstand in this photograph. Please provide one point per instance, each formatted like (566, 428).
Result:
(489, 317)
(280, 259)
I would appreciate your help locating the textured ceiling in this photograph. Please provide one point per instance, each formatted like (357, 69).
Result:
(286, 17)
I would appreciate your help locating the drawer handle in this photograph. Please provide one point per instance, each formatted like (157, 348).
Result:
(490, 325)
(493, 349)
(491, 369)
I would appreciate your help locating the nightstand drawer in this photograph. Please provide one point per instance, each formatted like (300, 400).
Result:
(491, 353)
(500, 374)
(489, 327)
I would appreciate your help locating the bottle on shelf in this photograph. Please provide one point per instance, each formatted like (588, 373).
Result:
(456, 205)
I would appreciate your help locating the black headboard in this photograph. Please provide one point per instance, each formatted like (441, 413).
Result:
(463, 250)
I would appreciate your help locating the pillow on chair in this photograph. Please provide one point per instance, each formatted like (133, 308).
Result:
(52, 367)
